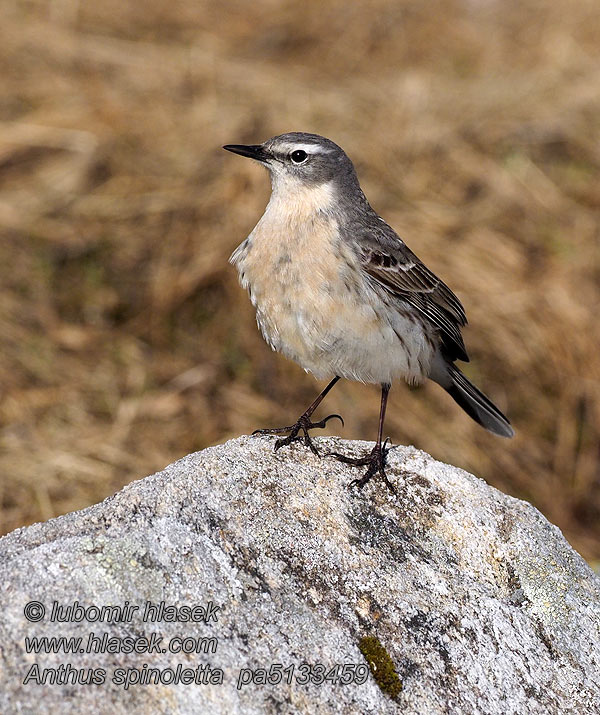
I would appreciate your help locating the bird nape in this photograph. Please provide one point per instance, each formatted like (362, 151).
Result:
(340, 293)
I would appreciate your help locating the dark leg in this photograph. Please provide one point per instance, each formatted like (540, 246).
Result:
(303, 424)
(376, 460)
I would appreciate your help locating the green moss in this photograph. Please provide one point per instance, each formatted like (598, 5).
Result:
(382, 666)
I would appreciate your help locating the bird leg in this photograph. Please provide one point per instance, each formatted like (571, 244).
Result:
(375, 461)
(303, 423)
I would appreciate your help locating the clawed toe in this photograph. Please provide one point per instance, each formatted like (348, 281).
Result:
(285, 441)
(323, 423)
(273, 430)
(375, 463)
(355, 462)
(302, 425)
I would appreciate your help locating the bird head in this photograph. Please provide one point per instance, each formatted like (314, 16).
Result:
(298, 160)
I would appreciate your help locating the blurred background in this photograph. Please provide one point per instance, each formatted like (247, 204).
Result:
(125, 340)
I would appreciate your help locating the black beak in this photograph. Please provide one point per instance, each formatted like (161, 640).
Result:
(254, 151)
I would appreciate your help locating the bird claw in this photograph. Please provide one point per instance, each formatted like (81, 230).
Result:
(272, 430)
(303, 424)
(375, 461)
(355, 462)
(323, 423)
(284, 442)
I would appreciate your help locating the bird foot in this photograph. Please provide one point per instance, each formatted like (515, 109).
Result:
(303, 424)
(375, 463)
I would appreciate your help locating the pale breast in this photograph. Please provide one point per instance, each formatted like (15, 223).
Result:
(287, 267)
(315, 305)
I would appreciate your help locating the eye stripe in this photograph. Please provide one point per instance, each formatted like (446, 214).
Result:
(308, 148)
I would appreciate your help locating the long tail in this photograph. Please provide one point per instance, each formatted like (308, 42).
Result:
(474, 402)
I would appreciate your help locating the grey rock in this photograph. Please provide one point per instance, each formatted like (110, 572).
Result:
(479, 602)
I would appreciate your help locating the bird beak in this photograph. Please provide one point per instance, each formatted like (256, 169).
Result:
(254, 151)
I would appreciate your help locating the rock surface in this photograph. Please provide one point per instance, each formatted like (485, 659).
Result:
(476, 602)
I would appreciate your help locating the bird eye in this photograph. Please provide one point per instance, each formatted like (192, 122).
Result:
(298, 156)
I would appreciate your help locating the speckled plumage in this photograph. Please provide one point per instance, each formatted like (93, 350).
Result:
(316, 305)
(338, 291)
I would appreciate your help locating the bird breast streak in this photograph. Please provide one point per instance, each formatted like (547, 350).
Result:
(314, 304)
(288, 272)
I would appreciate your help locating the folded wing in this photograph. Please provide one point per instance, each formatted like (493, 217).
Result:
(389, 262)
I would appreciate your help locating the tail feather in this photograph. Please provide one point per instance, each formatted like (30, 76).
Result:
(475, 403)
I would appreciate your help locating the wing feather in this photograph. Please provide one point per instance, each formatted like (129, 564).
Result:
(388, 261)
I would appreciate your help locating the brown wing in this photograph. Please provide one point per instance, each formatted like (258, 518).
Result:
(393, 265)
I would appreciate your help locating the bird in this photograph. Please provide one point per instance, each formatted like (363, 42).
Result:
(340, 293)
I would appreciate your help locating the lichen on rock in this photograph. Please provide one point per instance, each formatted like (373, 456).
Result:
(479, 604)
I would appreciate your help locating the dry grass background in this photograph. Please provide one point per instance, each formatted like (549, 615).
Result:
(125, 339)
